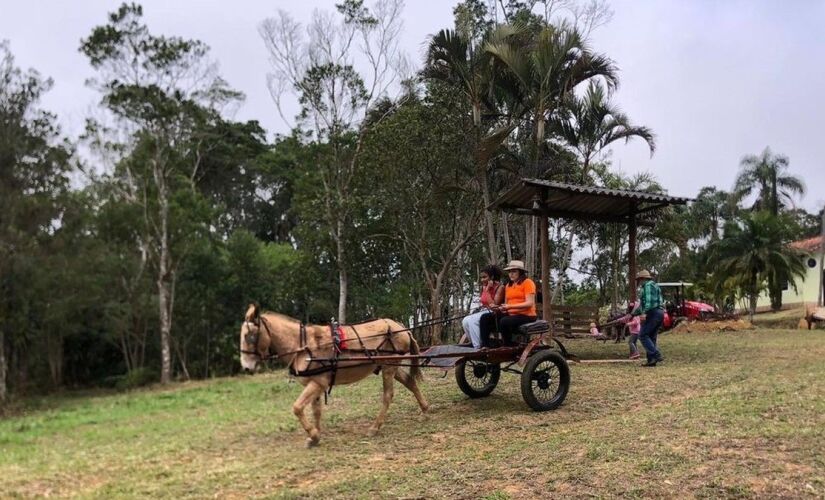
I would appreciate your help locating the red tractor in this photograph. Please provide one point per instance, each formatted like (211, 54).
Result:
(678, 309)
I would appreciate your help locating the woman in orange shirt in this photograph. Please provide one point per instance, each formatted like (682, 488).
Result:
(519, 305)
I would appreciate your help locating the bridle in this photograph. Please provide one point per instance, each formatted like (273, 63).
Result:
(254, 338)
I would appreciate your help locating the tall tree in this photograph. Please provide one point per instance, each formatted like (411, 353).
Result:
(34, 164)
(589, 124)
(457, 60)
(546, 66)
(320, 70)
(753, 253)
(163, 90)
(767, 174)
(421, 150)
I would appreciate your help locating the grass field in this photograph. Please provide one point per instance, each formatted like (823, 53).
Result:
(728, 415)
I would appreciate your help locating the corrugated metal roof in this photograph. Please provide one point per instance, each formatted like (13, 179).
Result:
(558, 199)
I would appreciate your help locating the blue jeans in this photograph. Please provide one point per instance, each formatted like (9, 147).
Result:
(650, 330)
(632, 343)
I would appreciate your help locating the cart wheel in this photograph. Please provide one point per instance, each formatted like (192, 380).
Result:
(477, 379)
(545, 380)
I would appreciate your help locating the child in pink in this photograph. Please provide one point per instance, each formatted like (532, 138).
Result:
(594, 331)
(634, 326)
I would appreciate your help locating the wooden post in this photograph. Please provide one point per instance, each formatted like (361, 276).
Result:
(820, 300)
(545, 268)
(631, 255)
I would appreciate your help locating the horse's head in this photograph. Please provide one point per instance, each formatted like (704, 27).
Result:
(254, 340)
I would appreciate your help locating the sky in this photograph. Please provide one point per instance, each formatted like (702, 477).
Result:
(715, 80)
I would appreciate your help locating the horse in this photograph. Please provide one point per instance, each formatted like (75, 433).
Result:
(264, 333)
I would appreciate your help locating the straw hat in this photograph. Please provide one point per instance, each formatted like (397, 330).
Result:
(515, 264)
(644, 274)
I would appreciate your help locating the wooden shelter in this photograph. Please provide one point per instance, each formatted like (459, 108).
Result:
(546, 199)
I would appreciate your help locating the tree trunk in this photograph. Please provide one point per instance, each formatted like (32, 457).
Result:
(615, 253)
(21, 365)
(164, 304)
(632, 250)
(565, 261)
(774, 198)
(775, 293)
(530, 245)
(3, 367)
(164, 283)
(54, 349)
(343, 281)
(208, 329)
(182, 360)
(435, 312)
(545, 267)
(492, 247)
(752, 309)
(821, 266)
(505, 227)
(124, 349)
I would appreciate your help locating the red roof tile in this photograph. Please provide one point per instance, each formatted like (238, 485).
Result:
(809, 245)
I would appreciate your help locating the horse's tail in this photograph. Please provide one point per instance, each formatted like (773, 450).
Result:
(415, 370)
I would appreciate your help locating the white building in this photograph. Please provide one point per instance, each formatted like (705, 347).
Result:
(807, 290)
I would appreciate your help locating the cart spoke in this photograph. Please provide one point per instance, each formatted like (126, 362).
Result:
(545, 381)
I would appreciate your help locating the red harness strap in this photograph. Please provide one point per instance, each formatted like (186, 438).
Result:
(342, 337)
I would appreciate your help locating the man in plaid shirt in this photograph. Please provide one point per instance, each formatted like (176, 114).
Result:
(652, 306)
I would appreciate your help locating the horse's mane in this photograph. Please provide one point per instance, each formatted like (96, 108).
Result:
(281, 316)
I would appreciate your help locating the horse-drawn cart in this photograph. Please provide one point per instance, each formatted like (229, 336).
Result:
(545, 375)
(322, 356)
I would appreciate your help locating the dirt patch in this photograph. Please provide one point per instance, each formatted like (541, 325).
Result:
(713, 326)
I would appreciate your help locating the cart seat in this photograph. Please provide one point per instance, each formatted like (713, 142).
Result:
(535, 328)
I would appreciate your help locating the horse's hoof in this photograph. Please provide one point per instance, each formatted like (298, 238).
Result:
(313, 442)
(372, 431)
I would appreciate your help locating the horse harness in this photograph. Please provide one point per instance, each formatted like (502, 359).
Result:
(339, 343)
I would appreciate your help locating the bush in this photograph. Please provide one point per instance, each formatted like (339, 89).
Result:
(136, 378)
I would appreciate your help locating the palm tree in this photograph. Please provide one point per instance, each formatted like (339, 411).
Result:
(455, 60)
(766, 174)
(752, 254)
(547, 67)
(589, 124)
(708, 212)
(543, 68)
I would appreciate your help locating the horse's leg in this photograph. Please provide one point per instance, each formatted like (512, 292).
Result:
(311, 392)
(387, 372)
(316, 412)
(410, 383)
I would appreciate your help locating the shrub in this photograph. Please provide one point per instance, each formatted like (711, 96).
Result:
(136, 378)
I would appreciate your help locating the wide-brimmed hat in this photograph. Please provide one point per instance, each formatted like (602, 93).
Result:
(644, 274)
(515, 264)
